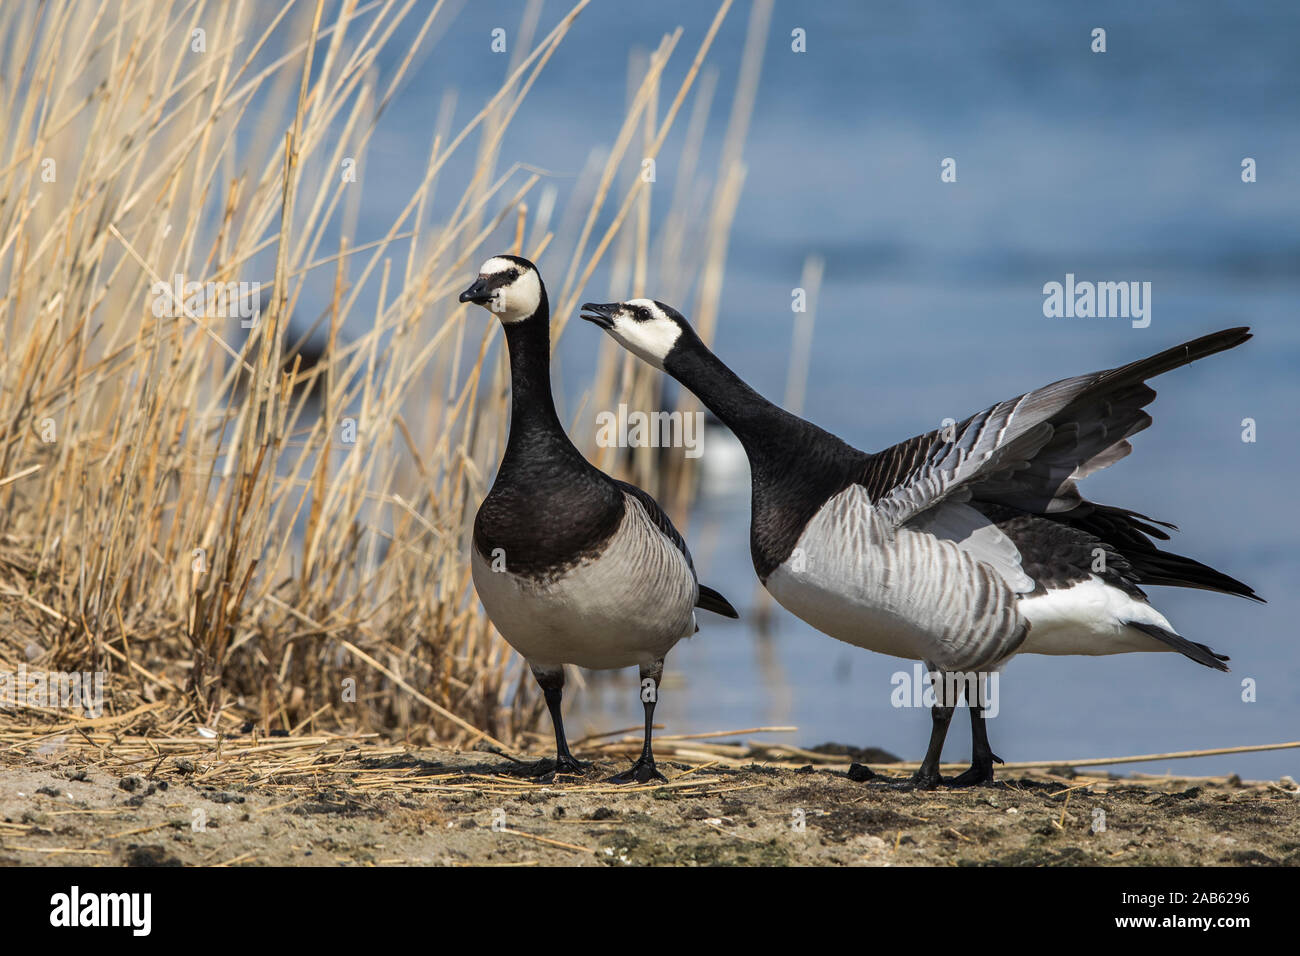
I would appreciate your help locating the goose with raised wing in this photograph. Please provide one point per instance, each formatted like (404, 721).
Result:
(960, 547)
(572, 566)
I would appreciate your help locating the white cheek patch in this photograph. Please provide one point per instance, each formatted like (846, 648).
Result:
(519, 299)
(650, 340)
(516, 300)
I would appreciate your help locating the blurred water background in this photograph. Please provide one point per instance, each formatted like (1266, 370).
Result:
(1117, 166)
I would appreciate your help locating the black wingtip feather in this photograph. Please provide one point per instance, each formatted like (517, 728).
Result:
(1118, 527)
(1175, 570)
(1176, 357)
(711, 600)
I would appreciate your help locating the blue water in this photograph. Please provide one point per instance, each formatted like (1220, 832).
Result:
(1116, 166)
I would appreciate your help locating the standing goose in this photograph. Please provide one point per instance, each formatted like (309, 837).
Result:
(572, 566)
(960, 547)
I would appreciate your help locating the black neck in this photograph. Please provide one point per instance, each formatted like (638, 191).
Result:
(795, 467)
(768, 432)
(535, 429)
(528, 342)
(548, 506)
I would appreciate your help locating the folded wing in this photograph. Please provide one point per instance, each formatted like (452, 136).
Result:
(709, 599)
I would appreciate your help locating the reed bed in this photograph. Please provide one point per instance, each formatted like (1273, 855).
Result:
(266, 520)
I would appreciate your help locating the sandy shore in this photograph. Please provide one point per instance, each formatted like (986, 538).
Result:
(312, 804)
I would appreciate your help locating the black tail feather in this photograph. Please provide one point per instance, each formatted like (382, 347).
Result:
(711, 600)
(1197, 652)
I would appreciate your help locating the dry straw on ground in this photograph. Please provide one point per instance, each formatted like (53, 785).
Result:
(179, 503)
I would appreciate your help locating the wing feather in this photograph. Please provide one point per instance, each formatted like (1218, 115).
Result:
(1029, 451)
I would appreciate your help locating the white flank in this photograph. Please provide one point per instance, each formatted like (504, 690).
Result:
(1088, 618)
(896, 591)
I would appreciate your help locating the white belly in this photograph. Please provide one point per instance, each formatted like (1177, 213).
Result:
(626, 608)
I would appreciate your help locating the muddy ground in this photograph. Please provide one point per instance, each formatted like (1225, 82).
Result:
(371, 805)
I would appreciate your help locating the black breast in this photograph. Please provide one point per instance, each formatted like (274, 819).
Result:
(792, 478)
(547, 515)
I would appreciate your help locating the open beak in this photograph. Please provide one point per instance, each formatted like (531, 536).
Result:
(598, 314)
(478, 293)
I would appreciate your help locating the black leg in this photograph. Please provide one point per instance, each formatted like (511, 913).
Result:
(982, 755)
(927, 777)
(945, 700)
(552, 684)
(643, 771)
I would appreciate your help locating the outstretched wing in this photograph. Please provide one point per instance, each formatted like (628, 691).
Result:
(1029, 451)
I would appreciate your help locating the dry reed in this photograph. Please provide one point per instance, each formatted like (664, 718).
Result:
(234, 529)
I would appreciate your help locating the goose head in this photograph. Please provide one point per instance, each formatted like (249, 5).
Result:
(650, 330)
(509, 287)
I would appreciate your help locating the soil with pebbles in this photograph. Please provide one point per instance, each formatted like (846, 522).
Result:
(473, 808)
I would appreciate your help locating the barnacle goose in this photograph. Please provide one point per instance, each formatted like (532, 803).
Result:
(959, 547)
(572, 566)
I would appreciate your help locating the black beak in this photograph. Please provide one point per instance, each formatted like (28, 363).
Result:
(478, 293)
(598, 314)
